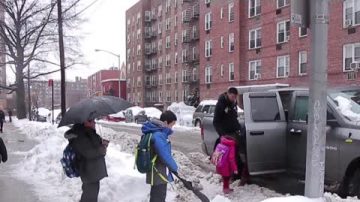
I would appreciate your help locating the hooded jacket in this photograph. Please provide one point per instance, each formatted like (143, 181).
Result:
(90, 153)
(161, 147)
(230, 165)
(225, 116)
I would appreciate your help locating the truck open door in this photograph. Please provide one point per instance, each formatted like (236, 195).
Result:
(266, 125)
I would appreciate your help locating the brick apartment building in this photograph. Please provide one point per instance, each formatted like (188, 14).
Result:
(245, 42)
(162, 51)
(106, 82)
(267, 49)
(41, 92)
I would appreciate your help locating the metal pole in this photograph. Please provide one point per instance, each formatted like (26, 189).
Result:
(316, 139)
(119, 76)
(52, 103)
(29, 96)
(62, 58)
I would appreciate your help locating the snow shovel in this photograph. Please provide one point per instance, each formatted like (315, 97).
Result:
(188, 185)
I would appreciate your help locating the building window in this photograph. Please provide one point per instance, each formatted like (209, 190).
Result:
(138, 52)
(185, 76)
(222, 70)
(283, 31)
(139, 65)
(139, 81)
(255, 70)
(208, 74)
(160, 62)
(208, 21)
(282, 3)
(283, 66)
(176, 58)
(160, 96)
(138, 35)
(231, 72)
(168, 78)
(208, 48)
(195, 74)
(351, 55)
(302, 31)
(254, 8)
(160, 45)
(176, 96)
(222, 42)
(176, 79)
(168, 44)
(168, 60)
(231, 42)
(221, 13)
(159, 28)
(160, 79)
(255, 38)
(175, 21)
(176, 39)
(231, 12)
(184, 55)
(168, 24)
(159, 10)
(168, 96)
(302, 62)
(351, 13)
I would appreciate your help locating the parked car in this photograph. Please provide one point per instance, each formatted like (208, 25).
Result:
(275, 125)
(118, 117)
(135, 114)
(205, 107)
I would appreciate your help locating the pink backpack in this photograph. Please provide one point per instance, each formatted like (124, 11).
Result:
(220, 157)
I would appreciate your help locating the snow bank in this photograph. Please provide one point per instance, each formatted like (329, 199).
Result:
(220, 198)
(43, 111)
(208, 102)
(294, 199)
(152, 112)
(184, 113)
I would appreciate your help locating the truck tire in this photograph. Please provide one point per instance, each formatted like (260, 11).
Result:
(350, 186)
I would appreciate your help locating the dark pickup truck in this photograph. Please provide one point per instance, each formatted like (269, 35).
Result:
(276, 126)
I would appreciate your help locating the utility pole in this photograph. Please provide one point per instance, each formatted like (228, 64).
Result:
(315, 13)
(29, 96)
(62, 59)
(316, 137)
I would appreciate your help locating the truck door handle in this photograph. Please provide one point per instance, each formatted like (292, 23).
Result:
(295, 132)
(257, 133)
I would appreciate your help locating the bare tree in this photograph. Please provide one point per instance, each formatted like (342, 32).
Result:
(29, 33)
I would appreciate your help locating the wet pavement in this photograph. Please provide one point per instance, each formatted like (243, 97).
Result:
(11, 188)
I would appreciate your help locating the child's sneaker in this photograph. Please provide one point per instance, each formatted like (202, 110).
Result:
(228, 191)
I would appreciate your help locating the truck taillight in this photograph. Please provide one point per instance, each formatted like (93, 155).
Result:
(202, 132)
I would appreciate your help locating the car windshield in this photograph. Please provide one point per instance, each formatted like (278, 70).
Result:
(348, 103)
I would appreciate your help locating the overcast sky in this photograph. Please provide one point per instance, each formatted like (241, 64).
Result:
(104, 29)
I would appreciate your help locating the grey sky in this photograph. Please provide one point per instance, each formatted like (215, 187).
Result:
(105, 29)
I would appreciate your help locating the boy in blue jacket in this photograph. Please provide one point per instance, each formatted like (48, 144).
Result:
(161, 150)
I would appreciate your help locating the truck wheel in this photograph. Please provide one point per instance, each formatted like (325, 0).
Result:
(350, 185)
(198, 124)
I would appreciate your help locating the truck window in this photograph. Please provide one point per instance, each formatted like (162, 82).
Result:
(264, 109)
(301, 108)
(199, 108)
(206, 109)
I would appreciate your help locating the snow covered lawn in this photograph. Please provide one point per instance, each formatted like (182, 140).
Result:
(42, 169)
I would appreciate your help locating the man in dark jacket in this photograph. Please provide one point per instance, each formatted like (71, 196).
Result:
(2, 119)
(161, 147)
(3, 152)
(91, 150)
(226, 123)
(10, 115)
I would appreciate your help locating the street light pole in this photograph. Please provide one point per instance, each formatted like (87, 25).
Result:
(119, 64)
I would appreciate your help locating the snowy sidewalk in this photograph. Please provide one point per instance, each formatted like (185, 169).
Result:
(12, 189)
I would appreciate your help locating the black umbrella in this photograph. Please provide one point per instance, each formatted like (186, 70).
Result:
(93, 108)
(188, 185)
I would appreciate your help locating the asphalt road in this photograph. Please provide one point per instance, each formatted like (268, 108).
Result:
(185, 141)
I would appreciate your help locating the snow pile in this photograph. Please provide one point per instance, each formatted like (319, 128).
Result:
(208, 102)
(184, 113)
(120, 114)
(152, 112)
(43, 111)
(345, 107)
(294, 199)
